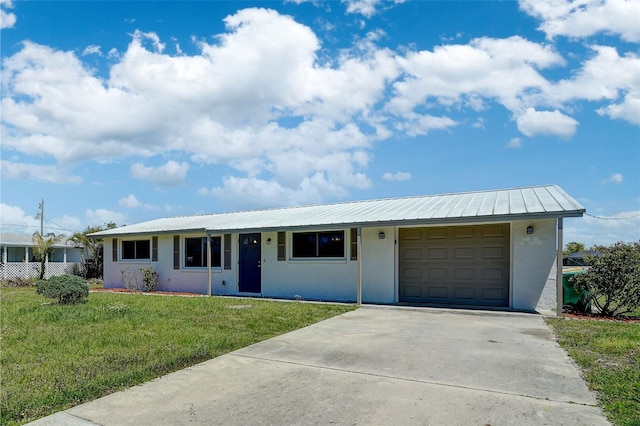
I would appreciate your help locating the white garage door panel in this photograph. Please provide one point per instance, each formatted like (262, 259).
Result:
(466, 265)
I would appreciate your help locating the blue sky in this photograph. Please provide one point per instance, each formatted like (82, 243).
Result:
(129, 111)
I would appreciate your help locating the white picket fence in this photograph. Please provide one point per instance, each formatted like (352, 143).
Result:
(12, 270)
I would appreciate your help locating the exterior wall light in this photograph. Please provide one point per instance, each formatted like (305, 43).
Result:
(381, 235)
(529, 230)
(269, 241)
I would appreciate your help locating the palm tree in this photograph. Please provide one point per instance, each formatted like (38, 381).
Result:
(92, 256)
(43, 248)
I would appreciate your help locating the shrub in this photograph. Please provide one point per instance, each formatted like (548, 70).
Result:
(613, 280)
(149, 279)
(130, 280)
(68, 289)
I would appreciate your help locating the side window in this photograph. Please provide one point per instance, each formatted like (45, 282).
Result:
(136, 250)
(325, 244)
(195, 252)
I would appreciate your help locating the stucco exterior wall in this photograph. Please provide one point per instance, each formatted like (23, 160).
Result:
(533, 264)
(312, 279)
(378, 265)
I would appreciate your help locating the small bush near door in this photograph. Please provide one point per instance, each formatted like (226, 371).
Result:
(68, 289)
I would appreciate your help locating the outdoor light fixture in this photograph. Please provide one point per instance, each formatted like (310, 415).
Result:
(381, 235)
(268, 241)
(529, 230)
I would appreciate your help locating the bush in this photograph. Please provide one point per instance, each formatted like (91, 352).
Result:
(68, 289)
(613, 280)
(149, 279)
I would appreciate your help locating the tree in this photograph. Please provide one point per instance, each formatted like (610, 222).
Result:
(573, 247)
(43, 248)
(613, 280)
(93, 256)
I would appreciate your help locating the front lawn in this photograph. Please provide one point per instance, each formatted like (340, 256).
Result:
(56, 356)
(609, 354)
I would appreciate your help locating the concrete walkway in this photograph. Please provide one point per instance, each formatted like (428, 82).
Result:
(375, 365)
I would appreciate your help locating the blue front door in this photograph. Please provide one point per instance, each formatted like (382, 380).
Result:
(250, 263)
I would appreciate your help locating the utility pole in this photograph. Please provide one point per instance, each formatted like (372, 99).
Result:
(40, 216)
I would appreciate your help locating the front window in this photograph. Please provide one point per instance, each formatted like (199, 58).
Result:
(195, 252)
(136, 250)
(318, 244)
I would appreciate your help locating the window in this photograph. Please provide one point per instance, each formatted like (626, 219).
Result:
(139, 249)
(318, 244)
(195, 252)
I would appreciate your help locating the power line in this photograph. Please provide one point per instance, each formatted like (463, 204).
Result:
(612, 218)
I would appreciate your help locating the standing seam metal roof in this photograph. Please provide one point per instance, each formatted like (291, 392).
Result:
(507, 204)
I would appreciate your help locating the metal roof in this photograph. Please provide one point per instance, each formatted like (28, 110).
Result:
(498, 205)
(24, 240)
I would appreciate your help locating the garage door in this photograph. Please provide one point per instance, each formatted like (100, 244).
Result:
(455, 265)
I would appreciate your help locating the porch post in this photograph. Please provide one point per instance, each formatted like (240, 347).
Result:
(26, 263)
(559, 286)
(359, 280)
(208, 265)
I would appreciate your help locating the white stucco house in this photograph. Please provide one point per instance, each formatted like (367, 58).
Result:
(499, 248)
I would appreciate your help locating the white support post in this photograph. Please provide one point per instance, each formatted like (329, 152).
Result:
(208, 265)
(359, 281)
(559, 285)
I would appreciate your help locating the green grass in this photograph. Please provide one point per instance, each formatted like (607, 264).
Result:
(55, 356)
(609, 354)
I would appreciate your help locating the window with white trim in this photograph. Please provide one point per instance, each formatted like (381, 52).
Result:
(325, 244)
(136, 250)
(195, 252)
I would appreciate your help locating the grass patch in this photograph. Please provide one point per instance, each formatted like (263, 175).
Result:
(57, 356)
(609, 354)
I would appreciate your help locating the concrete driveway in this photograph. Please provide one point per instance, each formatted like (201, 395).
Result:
(375, 365)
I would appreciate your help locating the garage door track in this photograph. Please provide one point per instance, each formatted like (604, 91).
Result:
(375, 365)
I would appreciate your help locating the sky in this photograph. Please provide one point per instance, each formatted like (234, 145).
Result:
(127, 111)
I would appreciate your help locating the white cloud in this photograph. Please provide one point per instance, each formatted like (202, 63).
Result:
(615, 178)
(514, 143)
(606, 76)
(504, 70)
(398, 176)
(14, 219)
(585, 18)
(628, 109)
(132, 202)
(37, 173)
(129, 202)
(366, 8)
(7, 19)
(169, 174)
(550, 123)
(101, 216)
(92, 50)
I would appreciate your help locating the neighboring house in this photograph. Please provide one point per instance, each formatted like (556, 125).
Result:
(579, 258)
(481, 249)
(17, 259)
